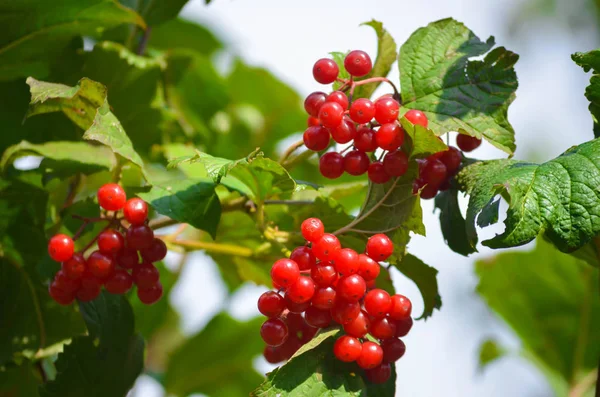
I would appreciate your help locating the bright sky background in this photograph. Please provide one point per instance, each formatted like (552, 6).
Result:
(549, 115)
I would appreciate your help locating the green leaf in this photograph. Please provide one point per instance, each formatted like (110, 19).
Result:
(216, 167)
(456, 92)
(384, 281)
(339, 57)
(261, 178)
(558, 198)
(180, 33)
(108, 360)
(33, 32)
(591, 61)
(188, 201)
(218, 360)
(551, 300)
(421, 142)
(425, 277)
(453, 224)
(489, 351)
(19, 380)
(155, 12)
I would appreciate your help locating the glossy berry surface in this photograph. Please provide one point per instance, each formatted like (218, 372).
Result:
(403, 327)
(339, 97)
(155, 252)
(383, 328)
(302, 290)
(324, 298)
(359, 327)
(433, 172)
(74, 267)
(362, 111)
(65, 283)
(395, 163)
(358, 63)
(294, 307)
(326, 247)
(59, 295)
(351, 288)
(119, 282)
(312, 229)
(347, 348)
(365, 139)
(274, 332)
(325, 71)
(386, 110)
(111, 197)
(377, 173)
(371, 355)
(331, 165)
(135, 211)
(139, 237)
(285, 272)
(345, 261)
(128, 258)
(467, 143)
(401, 307)
(87, 294)
(271, 304)
(313, 103)
(110, 242)
(379, 247)
(317, 318)
(304, 257)
(393, 350)
(389, 136)
(417, 117)
(312, 121)
(61, 247)
(356, 162)
(379, 374)
(345, 132)
(331, 114)
(368, 269)
(145, 275)
(316, 138)
(100, 265)
(377, 302)
(323, 274)
(344, 312)
(151, 294)
(451, 159)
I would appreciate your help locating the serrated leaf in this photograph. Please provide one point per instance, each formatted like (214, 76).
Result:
(489, 351)
(425, 277)
(262, 178)
(155, 12)
(439, 77)
(558, 198)
(453, 223)
(188, 201)
(421, 142)
(216, 167)
(28, 45)
(591, 61)
(181, 33)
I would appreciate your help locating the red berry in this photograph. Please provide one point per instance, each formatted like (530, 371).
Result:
(139, 237)
(111, 197)
(89, 281)
(316, 138)
(290, 346)
(359, 327)
(379, 374)
(344, 312)
(433, 172)
(429, 191)
(395, 163)
(312, 122)
(302, 290)
(377, 174)
(88, 293)
(323, 274)
(119, 283)
(156, 252)
(370, 284)
(273, 354)
(467, 143)
(100, 265)
(416, 117)
(74, 267)
(403, 327)
(274, 332)
(331, 165)
(345, 132)
(379, 247)
(110, 242)
(331, 114)
(324, 298)
(362, 110)
(60, 296)
(151, 294)
(356, 162)
(294, 307)
(386, 110)
(65, 283)
(135, 211)
(145, 275)
(339, 97)
(345, 261)
(313, 103)
(347, 348)
(400, 308)
(325, 71)
(271, 304)
(365, 139)
(285, 272)
(304, 257)
(326, 247)
(351, 288)
(451, 159)
(377, 302)
(368, 269)
(358, 63)
(383, 328)
(128, 258)
(393, 350)
(370, 356)
(312, 229)
(389, 136)
(317, 317)
(61, 247)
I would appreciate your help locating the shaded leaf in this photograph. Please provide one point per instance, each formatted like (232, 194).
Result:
(181, 33)
(489, 351)
(155, 12)
(261, 178)
(216, 167)
(453, 223)
(425, 277)
(591, 61)
(19, 380)
(421, 142)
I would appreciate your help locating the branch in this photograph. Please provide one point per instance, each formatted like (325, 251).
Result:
(144, 41)
(290, 150)
(216, 248)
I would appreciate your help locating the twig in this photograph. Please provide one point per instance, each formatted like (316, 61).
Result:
(291, 149)
(73, 189)
(217, 248)
(289, 202)
(144, 41)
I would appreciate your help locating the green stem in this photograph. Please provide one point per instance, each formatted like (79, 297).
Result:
(298, 159)
(215, 248)
(293, 147)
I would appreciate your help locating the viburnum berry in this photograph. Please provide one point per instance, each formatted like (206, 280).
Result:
(451, 159)
(395, 163)
(324, 298)
(326, 247)
(88, 293)
(371, 355)
(345, 261)
(61, 247)
(273, 354)
(379, 247)
(325, 71)
(347, 348)
(344, 312)
(271, 304)
(60, 296)
(119, 282)
(274, 332)
(323, 274)
(155, 252)
(304, 257)
(75, 266)
(389, 136)
(100, 265)
(145, 275)
(111, 197)
(317, 317)
(433, 172)
(290, 346)
(377, 303)
(89, 281)
(393, 350)
(358, 63)
(362, 110)
(356, 162)
(379, 374)
(416, 117)
(365, 139)
(429, 191)
(313, 103)
(139, 237)
(128, 258)
(331, 114)
(403, 327)
(359, 327)
(302, 290)
(135, 211)
(351, 288)
(294, 307)
(386, 110)
(401, 307)
(345, 132)
(312, 121)
(339, 97)
(316, 138)
(110, 242)
(368, 269)
(151, 294)
(312, 229)
(285, 272)
(467, 143)
(383, 328)
(65, 283)
(377, 174)
(331, 165)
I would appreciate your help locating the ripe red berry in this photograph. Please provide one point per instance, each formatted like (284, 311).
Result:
(135, 211)
(416, 117)
(383, 328)
(128, 258)
(156, 252)
(111, 197)
(324, 298)
(89, 281)
(302, 290)
(294, 307)
(61, 247)
(429, 191)
(274, 332)
(451, 159)
(65, 283)
(433, 172)
(358, 63)
(400, 308)
(377, 302)
(345, 132)
(316, 138)
(389, 136)
(351, 288)
(110, 242)
(362, 110)
(393, 350)
(88, 293)
(331, 165)
(313, 103)
(290, 346)
(145, 275)
(368, 269)
(347, 348)
(60, 296)
(359, 327)
(344, 312)
(395, 163)
(370, 356)
(119, 283)
(345, 261)
(273, 354)
(379, 374)
(379, 247)
(356, 162)
(100, 265)
(312, 229)
(386, 110)
(74, 267)
(323, 274)
(271, 304)
(312, 121)
(285, 272)
(317, 317)
(331, 114)
(139, 237)
(467, 143)
(339, 97)
(377, 174)
(326, 247)
(365, 139)
(151, 294)
(325, 71)
(304, 257)
(403, 327)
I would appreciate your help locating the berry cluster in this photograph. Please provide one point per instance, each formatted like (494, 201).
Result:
(323, 283)
(119, 251)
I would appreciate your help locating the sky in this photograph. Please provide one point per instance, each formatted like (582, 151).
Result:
(549, 115)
